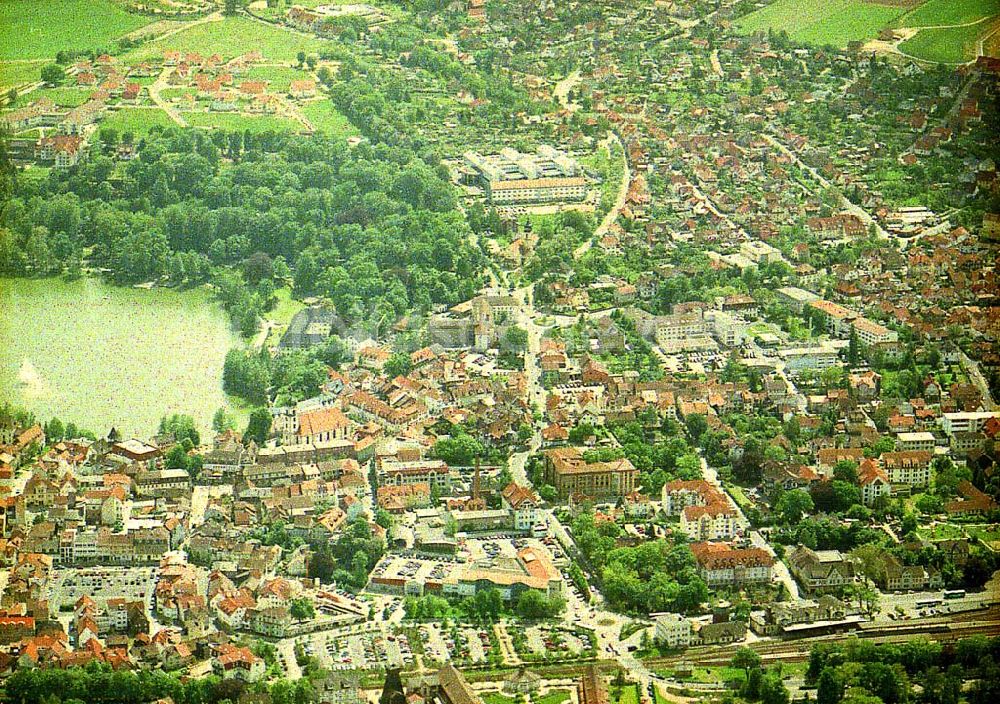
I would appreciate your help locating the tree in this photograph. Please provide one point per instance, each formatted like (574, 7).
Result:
(746, 659)
(301, 58)
(773, 690)
(532, 604)
(460, 450)
(846, 471)
(515, 340)
(54, 430)
(830, 689)
(302, 609)
(222, 421)
(231, 7)
(696, 424)
(258, 426)
(182, 427)
(53, 74)
(399, 364)
(793, 505)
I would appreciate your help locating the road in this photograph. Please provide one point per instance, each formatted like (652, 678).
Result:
(971, 367)
(154, 94)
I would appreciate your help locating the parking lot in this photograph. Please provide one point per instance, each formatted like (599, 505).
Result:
(367, 650)
(542, 639)
(459, 643)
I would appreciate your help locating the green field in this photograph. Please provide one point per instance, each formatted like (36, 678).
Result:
(556, 696)
(952, 45)
(278, 77)
(37, 29)
(282, 314)
(327, 119)
(19, 72)
(64, 96)
(231, 37)
(821, 22)
(628, 694)
(138, 121)
(497, 698)
(945, 12)
(989, 534)
(239, 122)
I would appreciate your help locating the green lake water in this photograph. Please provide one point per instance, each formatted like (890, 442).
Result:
(102, 356)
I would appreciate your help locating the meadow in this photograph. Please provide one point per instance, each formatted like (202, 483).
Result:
(64, 96)
(327, 119)
(822, 22)
(38, 29)
(278, 77)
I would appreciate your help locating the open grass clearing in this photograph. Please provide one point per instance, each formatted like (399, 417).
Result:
(17, 73)
(556, 696)
(62, 96)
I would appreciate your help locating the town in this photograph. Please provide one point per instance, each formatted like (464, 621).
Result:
(583, 353)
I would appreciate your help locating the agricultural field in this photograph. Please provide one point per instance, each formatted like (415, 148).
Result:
(241, 122)
(822, 22)
(227, 38)
(935, 13)
(327, 119)
(16, 73)
(45, 27)
(949, 45)
(138, 121)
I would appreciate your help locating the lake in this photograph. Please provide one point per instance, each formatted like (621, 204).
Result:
(102, 356)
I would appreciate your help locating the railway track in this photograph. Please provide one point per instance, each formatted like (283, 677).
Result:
(962, 626)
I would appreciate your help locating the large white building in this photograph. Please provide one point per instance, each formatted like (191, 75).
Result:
(514, 178)
(672, 631)
(965, 422)
(915, 441)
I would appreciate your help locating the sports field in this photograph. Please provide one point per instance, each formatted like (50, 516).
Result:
(38, 29)
(822, 22)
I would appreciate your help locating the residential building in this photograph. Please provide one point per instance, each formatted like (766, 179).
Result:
(571, 473)
(720, 564)
(819, 570)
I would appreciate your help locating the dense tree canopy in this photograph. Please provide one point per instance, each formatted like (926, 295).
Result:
(375, 229)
